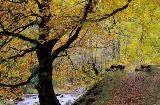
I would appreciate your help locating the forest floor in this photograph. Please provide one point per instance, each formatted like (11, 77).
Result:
(124, 88)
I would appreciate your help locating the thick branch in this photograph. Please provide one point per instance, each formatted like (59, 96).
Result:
(1, 26)
(5, 42)
(19, 55)
(22, 83)
(24, 27)
(79, 40)
(67, 44)
(6, 33)
(111, 14)
(74, 37)
(38, 3)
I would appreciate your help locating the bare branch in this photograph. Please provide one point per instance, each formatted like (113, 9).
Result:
(22, 83)
(2, 26)
(80, 39)
(70, 59)
(38, 3)
(74, 37)
(111, 14)
(19, 55)
(64, 55)
(5, 42)
(24, 27)
(6, 33)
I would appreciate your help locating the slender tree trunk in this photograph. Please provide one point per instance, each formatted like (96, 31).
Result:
(44, 87)
(118, 47)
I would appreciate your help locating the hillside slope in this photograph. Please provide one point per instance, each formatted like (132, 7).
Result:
(121, 88)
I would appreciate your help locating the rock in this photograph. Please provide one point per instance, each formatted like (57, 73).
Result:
(64, 99)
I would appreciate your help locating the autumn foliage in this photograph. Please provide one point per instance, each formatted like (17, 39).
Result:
(36, 34)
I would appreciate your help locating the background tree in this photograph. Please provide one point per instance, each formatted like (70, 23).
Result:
(140, 34)
(35, 32)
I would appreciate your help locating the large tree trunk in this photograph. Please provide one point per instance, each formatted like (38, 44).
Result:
(44, 87)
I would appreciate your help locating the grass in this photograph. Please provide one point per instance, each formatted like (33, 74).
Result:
(121, 88)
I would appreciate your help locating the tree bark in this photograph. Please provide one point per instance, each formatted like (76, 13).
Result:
(44, 86)
(45, 89)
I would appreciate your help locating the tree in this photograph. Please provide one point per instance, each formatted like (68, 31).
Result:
(140, 38)
(35, 32)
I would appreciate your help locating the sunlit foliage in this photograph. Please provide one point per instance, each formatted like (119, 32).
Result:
(36, 33)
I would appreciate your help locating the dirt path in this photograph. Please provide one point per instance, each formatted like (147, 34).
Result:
(129, 88)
